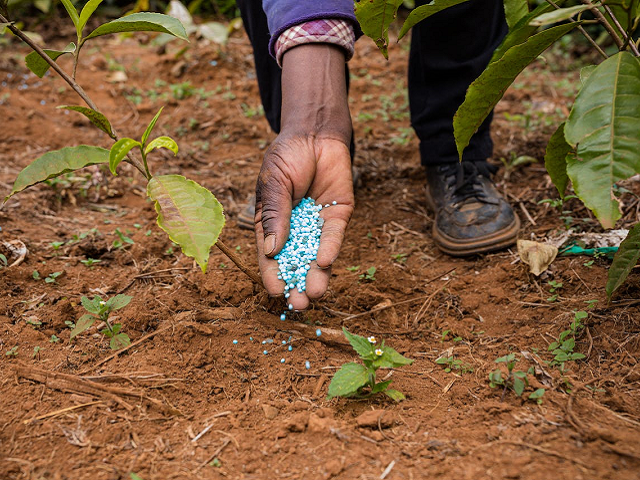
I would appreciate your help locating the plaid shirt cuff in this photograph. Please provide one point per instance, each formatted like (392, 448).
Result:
(336, 32)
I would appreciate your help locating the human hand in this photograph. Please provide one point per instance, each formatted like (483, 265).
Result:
(310, 158)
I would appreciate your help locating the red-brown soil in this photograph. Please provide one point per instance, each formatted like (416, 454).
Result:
(265, 419)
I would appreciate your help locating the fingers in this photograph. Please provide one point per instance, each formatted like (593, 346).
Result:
(273, 207)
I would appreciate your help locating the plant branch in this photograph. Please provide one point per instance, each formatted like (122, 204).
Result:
(625, 34)
(239, 263)
(72, 83)
(584, 33)
(604, 22)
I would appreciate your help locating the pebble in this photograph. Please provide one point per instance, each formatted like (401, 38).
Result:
(290, 348)
(235, 342)
(307, 365)
(282, 360)
(283, 317)
(318, 332)
(265, 352)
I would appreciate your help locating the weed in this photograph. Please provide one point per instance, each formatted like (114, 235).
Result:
(36, 275)
(90, 262)
(70, 324)
(563, 347)
(359, 381)
(36, 352)
(13, 352)
(591, 303)
(56, 245)
(516, 380)
(452, 364)
(122, 240)
(52, 277)
(555, 286)
(369, 275)
(100, 310)
(54, 339)
(400, 257)
(353, 268)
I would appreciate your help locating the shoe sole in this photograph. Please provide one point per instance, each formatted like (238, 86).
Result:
(466, 248)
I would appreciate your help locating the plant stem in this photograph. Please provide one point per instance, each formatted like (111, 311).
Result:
(603, 21)
(239, 263)
(625, 34)
(72, 83)
(584, 33)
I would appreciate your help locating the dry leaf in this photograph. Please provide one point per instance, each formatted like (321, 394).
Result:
(537, 255)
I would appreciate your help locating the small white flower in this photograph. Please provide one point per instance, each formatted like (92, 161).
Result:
(103, 303)
(379, 352)
(372, 339)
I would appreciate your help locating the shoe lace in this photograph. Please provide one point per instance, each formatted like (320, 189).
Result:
(464, 177)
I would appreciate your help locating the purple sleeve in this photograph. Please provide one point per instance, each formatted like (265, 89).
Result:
(283, 14)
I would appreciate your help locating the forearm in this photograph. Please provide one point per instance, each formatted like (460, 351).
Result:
(314, 92)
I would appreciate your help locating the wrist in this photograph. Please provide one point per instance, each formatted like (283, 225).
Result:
(314, 92)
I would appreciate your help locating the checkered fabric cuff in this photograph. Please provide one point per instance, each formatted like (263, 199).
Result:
(336, 32)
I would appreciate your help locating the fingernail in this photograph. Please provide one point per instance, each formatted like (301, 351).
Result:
(269, 244)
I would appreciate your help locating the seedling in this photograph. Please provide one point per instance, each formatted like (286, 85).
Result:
(90, 262)
(54, 339)
(13, 352)
(359, 381)
(36, 352)
(369, 275)
(100, 310)
(56, 245)
(516, 380)
(122, 239)
(591, 303)
(52, 277)
(3, 261)
(562, 348)
(452, 364)
(555, 286)
(400, 257)
(36, 275)
(353, 268)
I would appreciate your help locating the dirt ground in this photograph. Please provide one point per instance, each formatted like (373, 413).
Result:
(187, 402)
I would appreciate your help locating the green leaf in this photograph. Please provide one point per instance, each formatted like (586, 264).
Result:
(189, 213)
(162, 142)
(537, 394)
(604, 125)
(557, 15)
(118, 302)
(380, 387)
(86, 13)
(83, 323)
(93, 305)
(360, 344)
(39, 65)
(391, 359)
(576, 356)
(58, 162)
(142, 22)
(518, 386)
(625, 259)
(515, 10)
(152, 124)
(348, 380)
(374, 17)
(585, 72)
(119, 150)
(95, 117)
(394, 395)
(73, 13)
(420, 13)
(520, 32)
(119, 341)
(485, 92)
(555, 160)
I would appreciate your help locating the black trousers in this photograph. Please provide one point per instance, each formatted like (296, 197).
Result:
(448, 51)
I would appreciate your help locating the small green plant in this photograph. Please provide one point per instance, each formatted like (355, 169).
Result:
(54, 339)
(359, 381)
(369, 275)
(90, 262)
(56, 245)
(100, 310)
(516, 380)
(3, 261)
(122, 240)
(52, 277)
(13, 352)
(451, 364)
(591, 303)
(400, 257)
(554, 287)
(36, 352)
(562, 349)
(36, 275)
(353, 268)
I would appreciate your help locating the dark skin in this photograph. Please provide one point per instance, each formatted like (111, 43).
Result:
(309, 158)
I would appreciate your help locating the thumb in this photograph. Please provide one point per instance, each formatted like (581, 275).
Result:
(273, 208)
